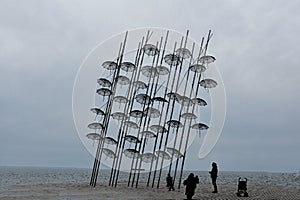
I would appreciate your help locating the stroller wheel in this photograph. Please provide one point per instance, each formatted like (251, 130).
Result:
(246, 194)
(238, 194)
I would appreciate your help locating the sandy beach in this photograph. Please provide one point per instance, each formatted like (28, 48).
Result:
(80, 191)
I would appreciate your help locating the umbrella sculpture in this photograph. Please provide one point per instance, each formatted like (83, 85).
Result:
(153, 66)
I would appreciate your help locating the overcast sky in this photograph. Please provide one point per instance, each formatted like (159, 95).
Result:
(256, 43)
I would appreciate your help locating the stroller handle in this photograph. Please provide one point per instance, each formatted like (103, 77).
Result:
(244, 178)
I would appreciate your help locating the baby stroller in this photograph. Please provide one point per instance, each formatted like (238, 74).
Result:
(242, 188)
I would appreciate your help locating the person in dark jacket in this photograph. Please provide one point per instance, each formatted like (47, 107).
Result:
(190, 184)
(213, 176)
(170, 182)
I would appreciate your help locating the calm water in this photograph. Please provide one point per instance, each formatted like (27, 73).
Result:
(12, 176)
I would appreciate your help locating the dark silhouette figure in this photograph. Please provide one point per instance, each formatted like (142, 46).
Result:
(190, 184)
(214, 175)
(170, 182)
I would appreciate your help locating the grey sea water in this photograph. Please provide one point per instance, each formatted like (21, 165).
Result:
(13, 176)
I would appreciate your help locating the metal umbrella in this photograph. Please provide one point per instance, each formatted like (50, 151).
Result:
(172, 59)
(131, 124)
(186, 101)
(158, 128)
(197, 68)
(159, 99)
(199, 101)
(150, 49)
(119, 116)
(163, 154)
(104, 82)
(148, 157)
(200, 127)
(128, 66)
(149, 71)
(143, 99)
(94, 136)
(188, 116)
(131, 139)
(174, 96)
(104, 92)
(109, 153)
(175, 124)
(120, 99)
(140, 85)
(98, 111)
(162, 70)
(123, 80)
(136, 113)
(174, 152)
(95, 126)
(208, 83)
(152, 112)
(207, 59)
(130, 153)
(147, 134)
(110, 65)
(183, 53)
(110, 140)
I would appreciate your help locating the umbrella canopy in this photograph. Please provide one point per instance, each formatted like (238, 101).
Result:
(94, 136)
(174, 152)
(150, 49)
(199, 101)
(109, 153)
(104, 92)
(158, 128)
(128, 66)
(97, 111)
(123, 80)
(132, 139)
(185, 101)
(120, 99)
(208, 83)
(174, 96)
(152, 112)
(172, 59)
(206, 59)
(104, 82)
(147, 134)
(197, 68)
(159, 99)
(183, 53)
(189, 116)
(163, 154)
(148, 157)
(140, 85)
(119, 116)
(110, 140)
(110, 65)
(175, 124)
(130, 153)
(199, 126)
(95, 126)
(136, 113)
(131, 124)
(162, 70)
(149, 71)
(143, 99)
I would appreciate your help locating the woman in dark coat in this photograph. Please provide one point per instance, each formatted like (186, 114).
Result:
(214, 175)
(190, 184)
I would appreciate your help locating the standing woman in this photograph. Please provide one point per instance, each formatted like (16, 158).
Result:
(214, 175)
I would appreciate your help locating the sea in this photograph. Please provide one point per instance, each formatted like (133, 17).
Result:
(32, 175)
